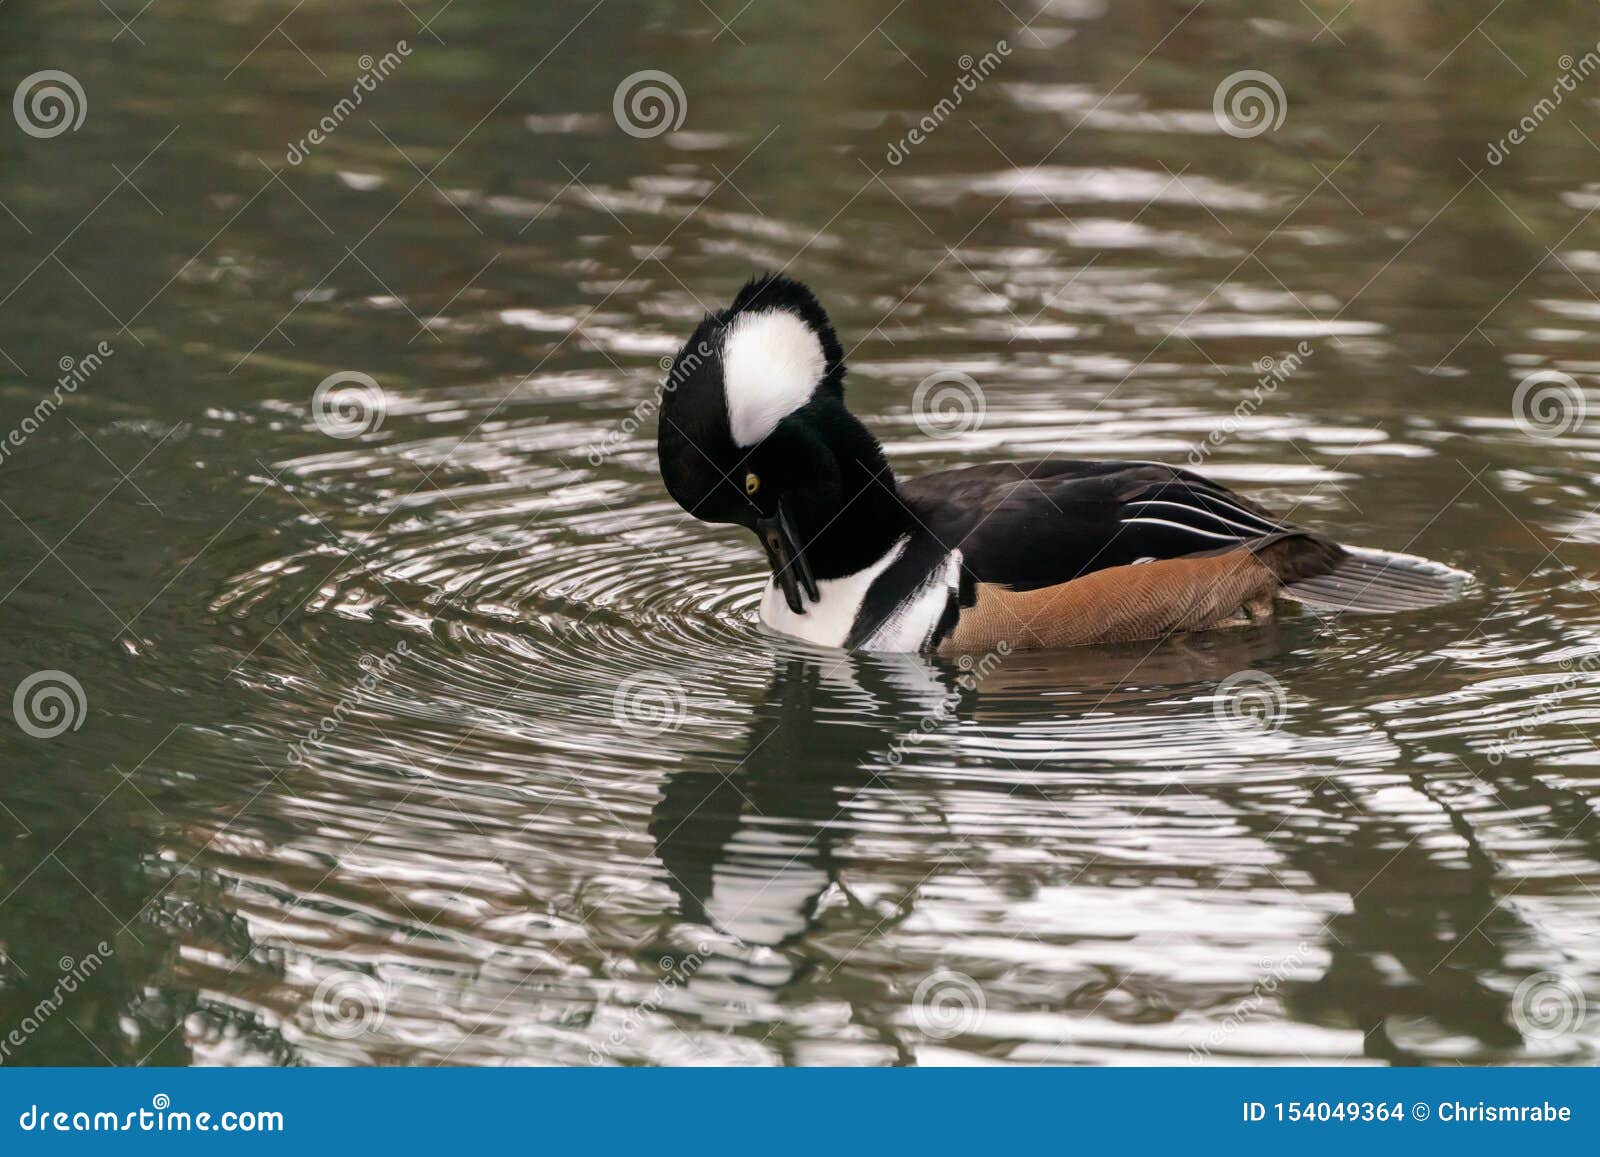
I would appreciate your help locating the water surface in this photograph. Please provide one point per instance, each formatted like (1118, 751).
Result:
(433, 732)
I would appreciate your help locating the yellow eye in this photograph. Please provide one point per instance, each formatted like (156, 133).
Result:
(751, 484)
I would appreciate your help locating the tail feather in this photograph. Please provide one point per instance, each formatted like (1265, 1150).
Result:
(1378, 581)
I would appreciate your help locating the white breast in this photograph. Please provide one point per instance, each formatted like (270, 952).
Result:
(912, 624)
(828, 621)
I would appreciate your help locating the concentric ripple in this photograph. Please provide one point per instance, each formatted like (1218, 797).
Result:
(455, 741)
(548, 786)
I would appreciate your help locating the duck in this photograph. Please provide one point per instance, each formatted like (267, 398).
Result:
(753, 431)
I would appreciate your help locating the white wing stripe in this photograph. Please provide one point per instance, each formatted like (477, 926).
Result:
(1211, 514)
(1271, 524)
(1181, 526)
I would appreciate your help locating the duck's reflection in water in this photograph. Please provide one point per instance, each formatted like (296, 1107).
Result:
(750, 849)
(1416, 962)
(1431, 954)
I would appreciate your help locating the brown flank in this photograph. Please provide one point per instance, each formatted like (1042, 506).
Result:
(1143, 600)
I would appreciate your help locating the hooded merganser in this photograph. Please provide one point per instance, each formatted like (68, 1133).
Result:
(1050, 553)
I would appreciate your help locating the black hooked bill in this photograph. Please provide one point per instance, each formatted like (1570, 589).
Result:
(789, 566)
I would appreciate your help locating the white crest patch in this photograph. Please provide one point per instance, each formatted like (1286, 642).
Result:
(771, 364)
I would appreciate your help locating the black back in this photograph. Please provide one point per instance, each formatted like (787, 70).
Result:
(1035, 524)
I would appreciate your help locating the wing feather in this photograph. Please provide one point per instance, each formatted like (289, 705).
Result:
(1032, 525)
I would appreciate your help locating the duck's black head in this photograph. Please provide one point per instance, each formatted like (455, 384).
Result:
(754, 431)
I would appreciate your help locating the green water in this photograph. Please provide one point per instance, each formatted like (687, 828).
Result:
(433, 732)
